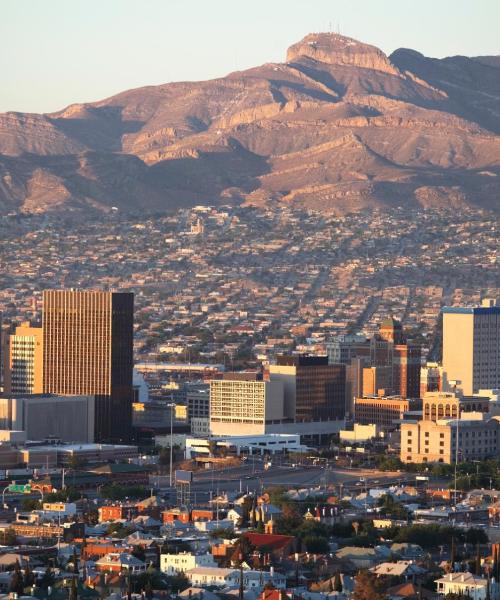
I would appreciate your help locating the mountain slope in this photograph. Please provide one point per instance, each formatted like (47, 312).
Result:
(338, 126)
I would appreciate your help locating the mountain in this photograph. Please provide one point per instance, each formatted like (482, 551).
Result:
(339, 126)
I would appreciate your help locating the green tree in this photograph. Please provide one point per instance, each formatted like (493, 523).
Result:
(392, 508)
(316, 544)
(222, 533)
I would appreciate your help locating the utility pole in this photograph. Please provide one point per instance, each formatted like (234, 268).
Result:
(172, 406)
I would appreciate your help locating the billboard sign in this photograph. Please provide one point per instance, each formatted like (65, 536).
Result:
(183, 476)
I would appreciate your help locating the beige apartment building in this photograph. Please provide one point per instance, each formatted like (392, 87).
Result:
(433, 442)
(24, 361)
(471, 347)
(241, 405)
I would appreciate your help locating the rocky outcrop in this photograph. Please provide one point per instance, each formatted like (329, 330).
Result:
(335, 49)
(339, 126)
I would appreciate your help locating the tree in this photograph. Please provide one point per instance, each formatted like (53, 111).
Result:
(16, 581)
(478, 560)
(224, 533)
(47, 579)
(367, 587)
(73, 590)
(337, 583)
(120, 492)
(316, 544)
(29, 577)
(164, 457)
(391, 508)
(76, 462)
(178, 583)
(8, 537)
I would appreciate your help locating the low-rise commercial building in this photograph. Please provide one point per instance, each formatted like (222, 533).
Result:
(443, 405)
(43, 416)
(243, 444)
(386, 412)
(429, 441)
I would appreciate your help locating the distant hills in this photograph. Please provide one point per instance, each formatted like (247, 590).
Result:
(339, 126)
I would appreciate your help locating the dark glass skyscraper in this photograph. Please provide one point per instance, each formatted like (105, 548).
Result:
(88, 349)
(314, 390)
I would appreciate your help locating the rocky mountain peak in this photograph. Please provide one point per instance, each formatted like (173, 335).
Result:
(336, 49)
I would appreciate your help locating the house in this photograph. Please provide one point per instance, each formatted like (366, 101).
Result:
(197, 593)
(402, 568)
(360, 558)
(253, 579)
(205, 576)
(465, 584)
(171, 564)
(279, 546)
(409, 591)
(235, 515)
(408, 551)
(120, 561)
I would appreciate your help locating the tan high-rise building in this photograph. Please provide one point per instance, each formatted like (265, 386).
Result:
(88, 349)
(471, 347)
(24, 361)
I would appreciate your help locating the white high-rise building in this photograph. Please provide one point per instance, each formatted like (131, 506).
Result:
(240, 405)
(471, 347)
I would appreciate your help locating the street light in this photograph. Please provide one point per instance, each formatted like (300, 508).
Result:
(172, 406)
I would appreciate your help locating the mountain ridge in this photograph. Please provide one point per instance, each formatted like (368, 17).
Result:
(337, 127)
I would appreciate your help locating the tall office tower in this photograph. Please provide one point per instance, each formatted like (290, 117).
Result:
(391, 350)
(471, 347)
(24, 361)
(88, 349)
(244, 404)
(314, 390)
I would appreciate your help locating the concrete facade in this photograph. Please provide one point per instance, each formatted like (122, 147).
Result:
(69, 418)
(241, 407)
(471, 347)
(429, 441)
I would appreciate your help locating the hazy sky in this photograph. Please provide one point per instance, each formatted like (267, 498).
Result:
(55, 52)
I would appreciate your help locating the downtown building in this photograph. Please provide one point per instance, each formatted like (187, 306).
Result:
(471, 347)
(299, 395)
(388, 364)
(23, 368)
(244, 404)
(88, 350)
